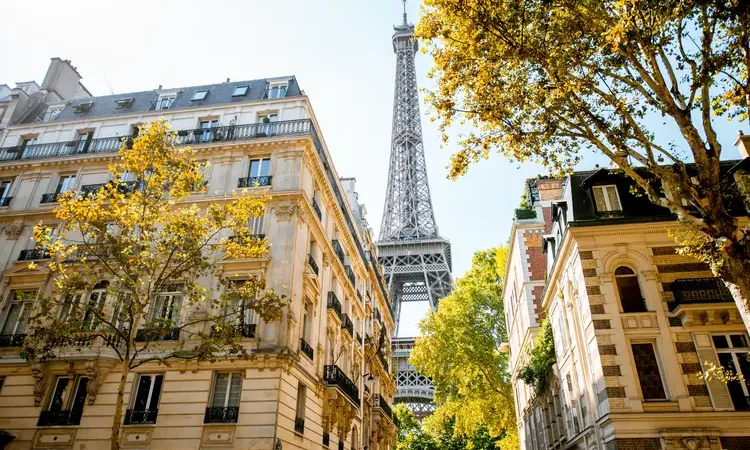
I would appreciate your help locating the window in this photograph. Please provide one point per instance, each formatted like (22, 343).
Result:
(83, 141)
(268, 118)
(199, 95)
(95, 303)
(277, 90)
(5, 187)
(167, 304)
(135, 130)
(19, 308)
(629, 290)
(82, 107)
(299, 422)
(256, 226)
(649, 376)
(66, 184)
(239, 91)
(29, 141)
(307, 322)
(146, 400)
(260, 167)
(120, 312)
(236, 310)
(164, 102)
(732, 350)
(225, 398)
(606, 199)
(207, 129)
(124, 102)
(66, 403)
(52, 113)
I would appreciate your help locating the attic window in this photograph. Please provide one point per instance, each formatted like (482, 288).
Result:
(83, 107)
(239, 91)
(199, 95)
(124, 102)
(606, 199)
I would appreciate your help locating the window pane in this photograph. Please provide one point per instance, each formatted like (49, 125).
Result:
(58, 397)
(648, 372)
(614, 202)
(720, 341)
(220, 390)
(80, 398)
(141, 398)
(630, 294)
(154, 404)
(599, 199)
(255, 168)
(735, 388)
(12, 319)
(738, 340)
(265, 167)
(235, 390)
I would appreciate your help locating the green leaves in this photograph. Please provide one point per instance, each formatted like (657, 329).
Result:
(538, 370)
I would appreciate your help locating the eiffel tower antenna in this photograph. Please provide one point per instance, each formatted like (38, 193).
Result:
(404, 12)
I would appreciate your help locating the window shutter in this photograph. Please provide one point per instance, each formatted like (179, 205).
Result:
(716, 388)
(220, 390)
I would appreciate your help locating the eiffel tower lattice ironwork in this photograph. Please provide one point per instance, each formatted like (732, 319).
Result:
(415, 259)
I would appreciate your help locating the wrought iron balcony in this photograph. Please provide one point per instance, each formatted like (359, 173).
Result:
(306, 348)
(246, 330)
(252, 236)
(64, 148)
(317, 209)
(222, 415)
(378, 401)
(338, 250)
(157, 334)
(49, 198)
(299, 425)
(383, 360)
(334, 304)
(60, 418)
(12, 340)
(699, 290)
(32, 254)
(350, 275)
(377, 315)
(333, 376)
(134, 417)
(359, 338)
(326, 439)
(346, 324)
(5, 201)
(249, 182)
(359, 295)
(313, 265)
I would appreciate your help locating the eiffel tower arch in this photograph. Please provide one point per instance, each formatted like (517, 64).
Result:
(416, 260)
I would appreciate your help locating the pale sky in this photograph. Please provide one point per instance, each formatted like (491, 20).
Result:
(341, 54)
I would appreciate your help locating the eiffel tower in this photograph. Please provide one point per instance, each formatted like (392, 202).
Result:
(415, 259)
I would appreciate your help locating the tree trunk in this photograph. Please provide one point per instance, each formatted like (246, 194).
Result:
(117, 418)
(737, 272)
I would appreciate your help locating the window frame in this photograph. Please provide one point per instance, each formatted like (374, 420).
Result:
(735, 352)
(605, 197)
(659, 364)
(69, 396)
(228, 394)
(638, 283)
(260, 174)
(244, 93)
(10, 300)
(199, 95)
(150, 396)
(60, 183)
(175, 296)
(169, 98)
(280, 89)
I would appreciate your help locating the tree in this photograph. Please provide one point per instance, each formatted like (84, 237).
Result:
(548, 81)
(132, 241)
(437, 433)
(458, 350)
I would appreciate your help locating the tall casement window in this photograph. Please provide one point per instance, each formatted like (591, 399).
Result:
(145, 406)
(307, 322)
(207, 129)
(65, 405)
(277, 90)
(16, 315)
(238, 312)
(66, 184)
(5, 189)
(255, 225)
(83, 141)
(164, 102)
(120, 312)
(607, 200)
(260, 170)
(629, 290)
(649, 375)
(86, 308)
(732, 350)
(168, 303)
(225, 398)
(299, 420)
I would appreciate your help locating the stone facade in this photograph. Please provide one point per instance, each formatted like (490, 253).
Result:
(285, 398)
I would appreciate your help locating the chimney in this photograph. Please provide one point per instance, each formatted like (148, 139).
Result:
(63, 79)
(227, 79)
(743, 145)
(159, 87)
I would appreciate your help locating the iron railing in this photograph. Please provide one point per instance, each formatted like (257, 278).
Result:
(299, 425)
(246, 330)
(346, 324)
(249, 182)
(359, 338)
(326, 439)
(383, 360)
(377, 315)
(338, 250)
(317, 209)
(64, 148)
(378, 401)
(157, 334)
(306, 348)
(222, 415)
(5, 201)
(60, 418)
(49, 198)
(33, 253)
(350, 275)
(334, 304)
(700, 290)
(134, 417)
(12, 340)
(334, 376)
(313, 265)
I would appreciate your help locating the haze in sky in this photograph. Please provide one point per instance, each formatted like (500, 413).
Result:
(341, 54)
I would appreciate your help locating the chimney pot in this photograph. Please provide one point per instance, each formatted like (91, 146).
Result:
(743, 145)
(227, 79)
(160, 86)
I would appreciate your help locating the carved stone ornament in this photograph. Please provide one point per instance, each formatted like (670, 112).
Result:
(13, 230)
(285, 212)
(39, 375)
(692, 443)
(96, 372)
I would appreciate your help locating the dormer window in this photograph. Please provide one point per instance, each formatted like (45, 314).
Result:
(607, 200)
(83, 107)
(199, 95)
(276, 90)
(164, 102)
(240, 91)
(124, 102)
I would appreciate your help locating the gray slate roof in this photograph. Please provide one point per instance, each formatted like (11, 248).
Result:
(218, 94)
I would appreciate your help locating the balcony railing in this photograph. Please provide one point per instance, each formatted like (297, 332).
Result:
(379, 402)
(60, 418)
(699, 290)
(5, 201)
(334, 376)
(383, 360)
(222, 415)
(306, 348)
(326, 439)
(359, 295)
(313, 265)
(249, 182)
(32, 254)
(49, 198)
(157, 334)
(350, 275)
(359, 338)
(346, 324)
(377, 315)
(134, 417)
(317, 209)
(338, 250)
(334, 304)
(299, 425)
(246, 330)
(64, 148)
(12, 340)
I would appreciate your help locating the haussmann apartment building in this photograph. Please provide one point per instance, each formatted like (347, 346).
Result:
(316, 378)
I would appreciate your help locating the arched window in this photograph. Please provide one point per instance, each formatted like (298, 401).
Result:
(629, 290)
